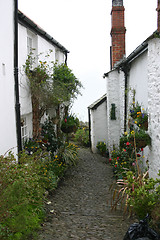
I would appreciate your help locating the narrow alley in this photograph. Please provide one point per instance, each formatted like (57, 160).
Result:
(79, 209)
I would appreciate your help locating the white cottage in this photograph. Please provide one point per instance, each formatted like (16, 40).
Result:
(8, 136)
(98, 120)
(139, 72)
(31, 36)
(19, 35)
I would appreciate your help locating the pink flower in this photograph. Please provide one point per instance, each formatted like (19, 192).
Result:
(127, 143)
(115, 165)
(110, 160)
(65, 120)
(117, 158)
(133, 164)
(124, 150)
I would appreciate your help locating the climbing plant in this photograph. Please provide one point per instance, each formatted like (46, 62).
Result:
(51, 84)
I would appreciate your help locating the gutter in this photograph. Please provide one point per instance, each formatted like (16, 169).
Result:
(17, 104)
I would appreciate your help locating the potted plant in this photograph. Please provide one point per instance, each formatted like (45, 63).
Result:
(69, 124)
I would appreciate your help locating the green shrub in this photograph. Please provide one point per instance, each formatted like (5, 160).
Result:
(21, 199)
(22, 191)
(49, 137)
(123, 160)
(138, 193)
(82, 136)
(102, 148)
(68, 154)
(143, 194)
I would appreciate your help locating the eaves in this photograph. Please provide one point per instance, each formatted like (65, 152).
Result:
(97, 103)
(27, 22)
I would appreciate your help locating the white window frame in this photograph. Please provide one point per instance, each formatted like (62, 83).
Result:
(24, 131)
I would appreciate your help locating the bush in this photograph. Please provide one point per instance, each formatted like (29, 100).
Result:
(49, 137)
(82, 136)
(123, 160)
(68, 154)
(102, 148)
(22, 191)
(139, 194)
(21, 199)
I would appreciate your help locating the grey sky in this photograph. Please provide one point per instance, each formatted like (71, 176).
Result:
(83, 27)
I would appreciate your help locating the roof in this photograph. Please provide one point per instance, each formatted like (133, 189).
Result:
(138, 51)
(27, 22)
(97, 103)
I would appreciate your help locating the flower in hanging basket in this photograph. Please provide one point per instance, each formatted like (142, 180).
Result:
(134, 110)
(142, 121)
(69, 124)
(142, 139)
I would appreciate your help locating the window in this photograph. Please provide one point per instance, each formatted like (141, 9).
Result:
(57, 55)
(24, 130)
(29, 45)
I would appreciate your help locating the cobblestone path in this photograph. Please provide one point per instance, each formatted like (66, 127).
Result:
(79, 207)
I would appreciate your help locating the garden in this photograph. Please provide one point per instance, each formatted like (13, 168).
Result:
(27, 180)
(133, 190)
(25, 185)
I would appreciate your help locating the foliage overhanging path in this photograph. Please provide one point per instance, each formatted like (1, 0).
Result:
(79, 208)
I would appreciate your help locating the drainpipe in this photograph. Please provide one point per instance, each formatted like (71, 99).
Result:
(17, 104)
(89, 120)
(66, 58)
(125, 68)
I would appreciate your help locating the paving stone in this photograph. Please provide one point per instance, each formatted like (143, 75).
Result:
(81, 204)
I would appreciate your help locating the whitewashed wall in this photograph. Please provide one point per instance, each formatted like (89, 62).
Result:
(154, 104)
(8, 138)
(99, 125)
(115, 94)
(41, 47)
(137, 80)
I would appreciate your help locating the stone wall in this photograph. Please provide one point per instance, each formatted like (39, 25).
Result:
(154, 104)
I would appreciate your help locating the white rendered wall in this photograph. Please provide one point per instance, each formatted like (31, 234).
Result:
(99, 125)
(115, 94)
(41, 49)
(25, 97)
(8, 139)
(154, 104)
(137, 80)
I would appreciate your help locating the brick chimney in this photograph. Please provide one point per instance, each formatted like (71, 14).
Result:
(117, 32)
(158, 15)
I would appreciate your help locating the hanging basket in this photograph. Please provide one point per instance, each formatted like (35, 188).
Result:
(68, 129)
(139, 143)
(144, 126)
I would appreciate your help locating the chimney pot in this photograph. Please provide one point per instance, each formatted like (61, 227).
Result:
(117, 2)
